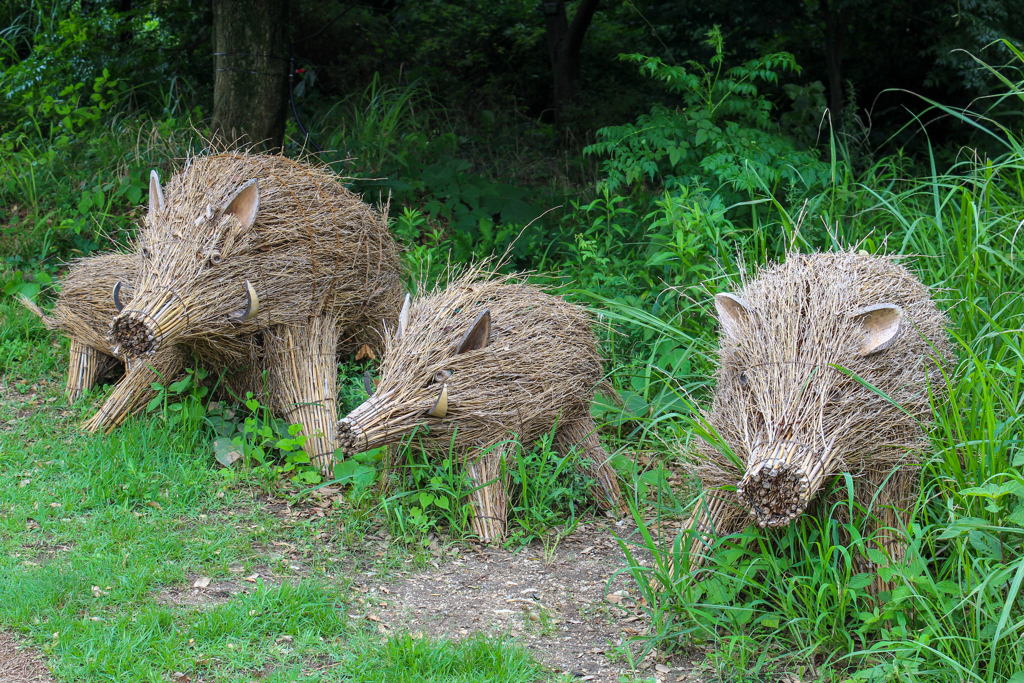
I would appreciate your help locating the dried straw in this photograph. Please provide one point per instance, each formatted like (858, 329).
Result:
(793, 417)
(314, 248)
(541, 367)
(83, 312)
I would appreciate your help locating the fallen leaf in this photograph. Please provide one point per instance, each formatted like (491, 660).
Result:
(661, 668)
(226, 451)
(251, 579)
(202, 582)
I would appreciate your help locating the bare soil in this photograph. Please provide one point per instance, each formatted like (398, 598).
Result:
(21, 664)
(568, 605)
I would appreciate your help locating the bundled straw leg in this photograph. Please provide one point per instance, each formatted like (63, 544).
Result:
(490, 502)
(135, 390)
(87, 366)
(577, 432)
(303, 375)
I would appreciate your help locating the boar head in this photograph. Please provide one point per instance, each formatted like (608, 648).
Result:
(787, 392)
(429, 374)
(195, 255)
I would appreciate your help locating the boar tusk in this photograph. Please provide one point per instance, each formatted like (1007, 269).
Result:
(368, 383)
(252, 305)
(117, 297)
(440, 408)
(156, 193)
(403, 317)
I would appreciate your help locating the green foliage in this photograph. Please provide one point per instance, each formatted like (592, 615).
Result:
(722, 134)
(546, 491)
(432, 496)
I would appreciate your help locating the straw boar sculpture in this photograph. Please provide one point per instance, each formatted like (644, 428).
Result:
(83, 312)
(788, 404)
(476, 364)
(255, 263)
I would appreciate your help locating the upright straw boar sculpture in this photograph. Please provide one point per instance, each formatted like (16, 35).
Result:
(787, 403)
(478, 363)
(257, 262)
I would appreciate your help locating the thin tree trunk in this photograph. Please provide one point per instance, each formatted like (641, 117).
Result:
(250, 71)
(565, 42)
(835, 25)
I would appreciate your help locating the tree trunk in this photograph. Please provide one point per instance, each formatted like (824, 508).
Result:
(250, 88)
(565, 41)
(835, 25)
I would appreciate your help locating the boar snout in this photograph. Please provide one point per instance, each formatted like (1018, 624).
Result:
(153, 321)
(777, 484)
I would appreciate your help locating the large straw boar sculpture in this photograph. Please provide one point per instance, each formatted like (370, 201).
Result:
(83, 312)
(788, 404)
(255, 263)
(476, 364)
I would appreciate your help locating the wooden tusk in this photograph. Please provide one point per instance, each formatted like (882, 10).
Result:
(440, 408)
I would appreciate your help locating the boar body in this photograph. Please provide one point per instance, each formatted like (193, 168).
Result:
(800, 343)
(476, 364)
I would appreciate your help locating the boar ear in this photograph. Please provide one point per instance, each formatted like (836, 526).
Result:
(440, 408)
(403, 317)
(245, 204)
(479, 334)
(732, 313)
(881, 326)
(156, 193)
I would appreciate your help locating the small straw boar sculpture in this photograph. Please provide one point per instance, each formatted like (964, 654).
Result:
(482, 361)
(787, 411)
(83, 312)
(248, 262)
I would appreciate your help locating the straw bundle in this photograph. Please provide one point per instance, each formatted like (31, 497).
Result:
(247, 263)
(83, 312)
(787, 409)
(483, 360)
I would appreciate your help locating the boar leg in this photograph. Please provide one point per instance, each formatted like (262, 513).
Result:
(134, 390)
(303, 377)
(87, 366)
(718, 514)
(578, 432)
(890, 514)
(490, 502)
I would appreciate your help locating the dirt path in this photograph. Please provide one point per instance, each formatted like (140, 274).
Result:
(19, 664)
(556, 606)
